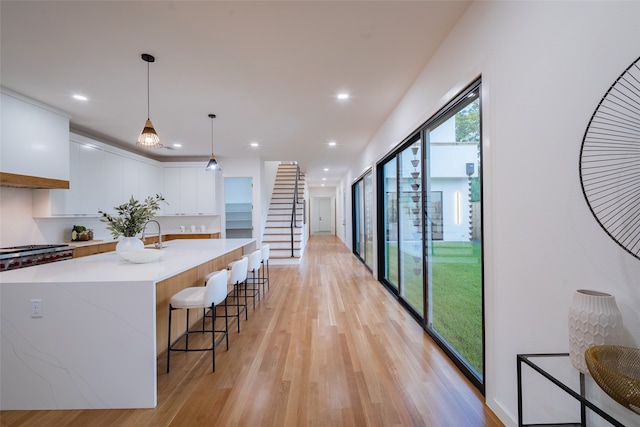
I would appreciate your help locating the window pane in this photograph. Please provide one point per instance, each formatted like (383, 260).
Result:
(390, 223)
(368, 220)
(357, 213)
(410, 218)
(455, 279)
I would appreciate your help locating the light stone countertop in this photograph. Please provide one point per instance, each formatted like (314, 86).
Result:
(179, 255)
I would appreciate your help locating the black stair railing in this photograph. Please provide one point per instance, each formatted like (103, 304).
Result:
(293, 208)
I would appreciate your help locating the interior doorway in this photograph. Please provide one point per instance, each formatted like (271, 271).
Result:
(238, 207)
(322, 216)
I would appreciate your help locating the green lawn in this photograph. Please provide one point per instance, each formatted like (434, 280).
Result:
(456, 294)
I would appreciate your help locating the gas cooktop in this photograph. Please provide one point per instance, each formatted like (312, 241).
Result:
(30, 248)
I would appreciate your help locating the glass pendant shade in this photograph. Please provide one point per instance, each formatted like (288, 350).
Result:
(149, 137)
(213, 164)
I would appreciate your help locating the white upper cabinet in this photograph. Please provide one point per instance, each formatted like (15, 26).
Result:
(190, 190)
(34, 138)
(102, 178)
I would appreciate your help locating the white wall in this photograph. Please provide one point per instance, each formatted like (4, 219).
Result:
(268, 177)
(545, 67)
(17, 226)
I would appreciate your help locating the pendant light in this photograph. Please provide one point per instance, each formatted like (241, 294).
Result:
(213, 163)
(148, 137)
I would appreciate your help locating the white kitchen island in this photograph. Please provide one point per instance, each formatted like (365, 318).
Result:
(103, 323)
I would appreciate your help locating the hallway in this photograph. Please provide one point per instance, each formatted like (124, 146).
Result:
(327, 345)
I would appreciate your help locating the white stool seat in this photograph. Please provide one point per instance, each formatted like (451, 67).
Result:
(188, 298)
(201, 297)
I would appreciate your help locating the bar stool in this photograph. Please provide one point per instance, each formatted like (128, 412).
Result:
(236, 277)
(253, 267)
(209, 296)
(265, 267)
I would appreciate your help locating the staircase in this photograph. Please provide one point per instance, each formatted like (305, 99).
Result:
(277, 232)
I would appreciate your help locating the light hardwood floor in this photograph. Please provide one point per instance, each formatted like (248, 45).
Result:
(326, 346)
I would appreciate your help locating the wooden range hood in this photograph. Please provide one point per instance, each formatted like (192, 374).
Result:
(26, 181)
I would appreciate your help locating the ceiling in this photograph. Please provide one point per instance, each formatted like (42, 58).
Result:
(269, 70)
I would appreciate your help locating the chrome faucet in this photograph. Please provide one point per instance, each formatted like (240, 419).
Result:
(157, 245)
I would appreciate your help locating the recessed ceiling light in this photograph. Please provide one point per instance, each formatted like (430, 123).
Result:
(343, 95)
(332, 144)
(80, 97)
(326, 169)
(322, 185)
(324, 179)
(177, 145)
(254, 144)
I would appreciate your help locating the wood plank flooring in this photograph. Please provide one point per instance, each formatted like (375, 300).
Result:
(326, 346)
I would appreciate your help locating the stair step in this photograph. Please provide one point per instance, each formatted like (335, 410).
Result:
(277, 232)
(274, 246)
(283, 231)
(281, 253)
(283, 224)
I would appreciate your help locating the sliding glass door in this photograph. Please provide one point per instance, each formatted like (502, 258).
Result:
(362, 193)
(401, 225)
(430, 229)
(455, 243)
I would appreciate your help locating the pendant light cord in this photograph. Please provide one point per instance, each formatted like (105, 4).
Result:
(148, 103)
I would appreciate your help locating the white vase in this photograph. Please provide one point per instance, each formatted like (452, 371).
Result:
(594, 319)
(129, 244)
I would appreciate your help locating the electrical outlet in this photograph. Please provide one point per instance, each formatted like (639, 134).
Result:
(36, 308)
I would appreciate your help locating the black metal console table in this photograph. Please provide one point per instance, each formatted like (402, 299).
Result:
(580, 397)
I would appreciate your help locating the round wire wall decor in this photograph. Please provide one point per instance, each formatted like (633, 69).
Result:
(610, 161)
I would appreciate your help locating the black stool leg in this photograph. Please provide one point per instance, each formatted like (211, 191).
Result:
(213, 337)
(169, 339)
(226, 322)
(186, 345)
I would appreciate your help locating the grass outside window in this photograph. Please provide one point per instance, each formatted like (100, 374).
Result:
(456, 294)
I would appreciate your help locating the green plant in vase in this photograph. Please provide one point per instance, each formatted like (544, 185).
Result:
(130, 220)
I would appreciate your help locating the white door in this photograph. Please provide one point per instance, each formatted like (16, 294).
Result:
(323, 215)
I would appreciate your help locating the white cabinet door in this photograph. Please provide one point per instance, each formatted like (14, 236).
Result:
(151, 183)
(67, 202)
(131, 180)
(172, 191)
(188, 191)
(91, 182)
(23, 150)
(206, 189)
(112, 183)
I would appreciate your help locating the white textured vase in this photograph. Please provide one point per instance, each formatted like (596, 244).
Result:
(129, 244)
(594, 319)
